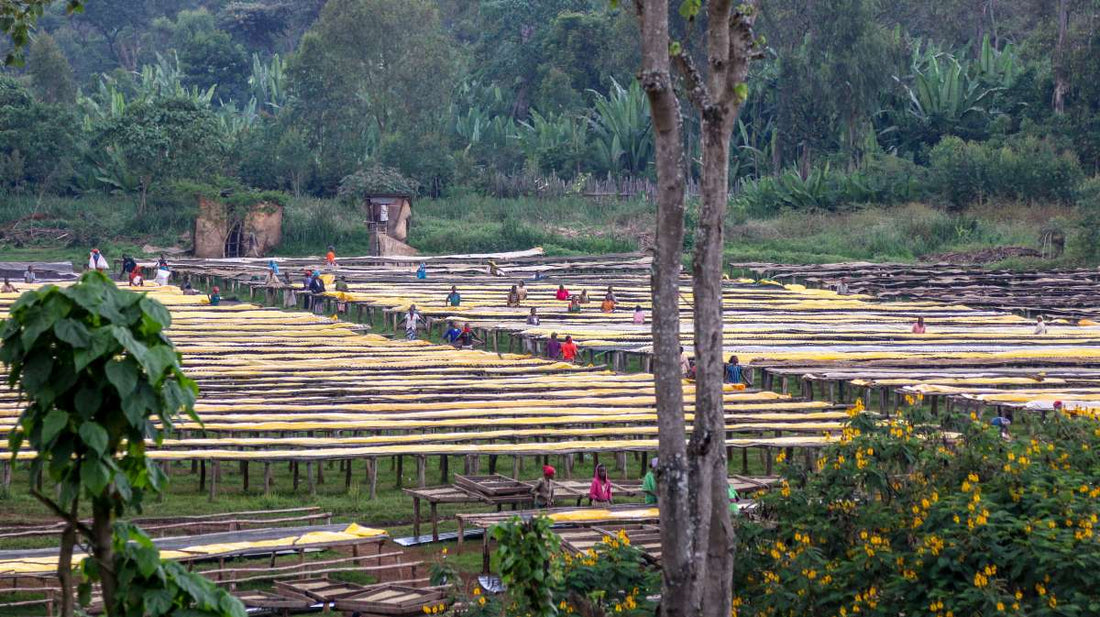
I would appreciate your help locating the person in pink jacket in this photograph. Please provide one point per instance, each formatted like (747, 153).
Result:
(600, 491)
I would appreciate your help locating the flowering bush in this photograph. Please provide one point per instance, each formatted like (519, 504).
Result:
(611, 578)
(902, 518)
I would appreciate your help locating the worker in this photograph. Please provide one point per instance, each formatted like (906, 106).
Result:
(735, 374)
(569, 350)
(685, 365)
(215, 296)
(453, 298)
(136, 280)
(575, 304)
(1040, 325)
(330, 257)
(533, 317)
(611, 294)
(563, 293)
(513, 297)
(584, 296)
(553, 347)
(29, 277)
(494, 270)
(422, 271)
(918, 328)
(273, 266)
(342, 284)
(128, 266)
(639, 315)
(842, 287)
(1003, 423)
(544, 491)
(649, 483)
(8, 287)
(600, 490)
(163, 271)
(521, 291)
(187, 288)
(96, 261)
(412, 322)
(608, 304)
(452, 334)
(467, 338)
(734, 498)
(316, 284)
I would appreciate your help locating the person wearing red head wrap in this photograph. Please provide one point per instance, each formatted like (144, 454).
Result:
(544, 490)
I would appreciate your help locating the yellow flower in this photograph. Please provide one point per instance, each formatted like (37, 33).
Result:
(477, 592)
(427, 610)
(481, 601)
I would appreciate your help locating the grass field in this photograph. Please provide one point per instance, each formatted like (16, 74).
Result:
(64, 229)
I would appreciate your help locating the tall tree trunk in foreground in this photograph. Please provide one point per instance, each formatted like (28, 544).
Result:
(1061, 79)
(696, 534)
(674, 489)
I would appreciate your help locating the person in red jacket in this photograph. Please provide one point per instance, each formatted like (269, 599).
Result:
(563, 293)
(569, 350)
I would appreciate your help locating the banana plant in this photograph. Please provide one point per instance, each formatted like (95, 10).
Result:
(944, 93)
(268, 83)
(623, 130)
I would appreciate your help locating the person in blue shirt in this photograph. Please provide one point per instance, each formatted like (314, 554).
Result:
(453, 299)
(422, 271)
(452, 334)
(735, 374)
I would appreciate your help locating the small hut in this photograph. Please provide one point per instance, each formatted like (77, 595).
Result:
(388, 217)
(240, 225)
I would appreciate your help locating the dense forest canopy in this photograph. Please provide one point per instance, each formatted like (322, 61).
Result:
(856, 100)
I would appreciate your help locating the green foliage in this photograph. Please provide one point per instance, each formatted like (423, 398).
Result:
(375, 179)
(883, 180)
(51, 75)
(151, 587)
(611, 578)
(527, 566)
(1085, 243)
(1025, 169)
(165, 138)
(17, 19)
(623, 130)
(899, 519)
(36, 141)
(98, 375)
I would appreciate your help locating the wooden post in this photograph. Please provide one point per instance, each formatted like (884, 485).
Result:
(372, 474)
(421, 470)
(444, 472)
(310, 479)
(202, 475)
(214, 480)
(267, 478)
(244, 476)
(400, 471)
(347, 475)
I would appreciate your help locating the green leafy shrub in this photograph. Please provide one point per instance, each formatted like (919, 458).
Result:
(883, 179)
(1085, 242)
(1027, 169)
(900, 518)
(541, 579)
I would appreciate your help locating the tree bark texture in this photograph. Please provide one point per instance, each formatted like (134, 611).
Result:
(696, 534)
(103, 550)
(674, 489)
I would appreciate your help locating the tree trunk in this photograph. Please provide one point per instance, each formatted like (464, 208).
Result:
(1061, 79)
(673, 489)
(65, 569)
(103, 550)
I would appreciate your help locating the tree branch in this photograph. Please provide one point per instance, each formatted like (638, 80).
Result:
(742, 50)
(63, 515)
(693, 81)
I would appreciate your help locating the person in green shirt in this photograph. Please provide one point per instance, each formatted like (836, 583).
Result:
(215, 297)
(649, 483)
(734, 498)
(453, 298)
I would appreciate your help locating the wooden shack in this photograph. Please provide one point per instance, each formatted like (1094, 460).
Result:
(230, 230)
(388, 219)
